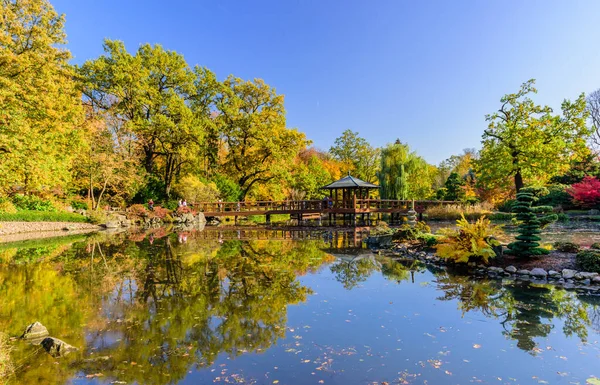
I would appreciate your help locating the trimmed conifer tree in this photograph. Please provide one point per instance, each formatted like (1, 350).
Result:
(532, 219)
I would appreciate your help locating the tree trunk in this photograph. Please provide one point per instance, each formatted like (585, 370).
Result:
(518, 180)
(149, 158)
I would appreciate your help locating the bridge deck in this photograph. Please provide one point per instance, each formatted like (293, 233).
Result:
(308, 207)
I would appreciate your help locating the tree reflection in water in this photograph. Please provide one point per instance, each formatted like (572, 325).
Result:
(148, 311)
(524, 309)
(166, 305)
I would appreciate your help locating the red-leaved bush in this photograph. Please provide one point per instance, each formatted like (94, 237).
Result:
(587, 192)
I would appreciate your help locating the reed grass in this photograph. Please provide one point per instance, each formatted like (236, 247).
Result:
(454, 212)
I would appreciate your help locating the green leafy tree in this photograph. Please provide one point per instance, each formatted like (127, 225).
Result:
(527, 141)
(357, 155)
(403, 174)
(258, 145)
(454, 187)
(149, 92)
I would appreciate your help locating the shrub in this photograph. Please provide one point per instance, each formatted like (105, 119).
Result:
(557, 197)
(455, 212)
(77, 204)
(469, 240)
(138, 210)
(587, 192)
(589, 260)
(382, 228)
(506, 206)
(527, 242)
(567, 247)
(7, 207)
(97, 216)
(32, 203)
(408, 233)
(595, 246)
(159, 212)
(429, 240)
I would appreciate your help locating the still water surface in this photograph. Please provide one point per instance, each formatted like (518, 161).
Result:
(202, 308)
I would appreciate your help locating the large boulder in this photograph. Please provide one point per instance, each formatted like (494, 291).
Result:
(35, 333)
(201, 218)
(187, 218)
(56, 347)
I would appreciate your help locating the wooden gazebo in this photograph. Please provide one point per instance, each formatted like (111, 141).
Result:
(344, 192)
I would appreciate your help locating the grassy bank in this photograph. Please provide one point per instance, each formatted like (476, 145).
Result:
(42, 216)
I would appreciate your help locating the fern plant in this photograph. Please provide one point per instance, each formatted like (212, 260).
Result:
(469, 240)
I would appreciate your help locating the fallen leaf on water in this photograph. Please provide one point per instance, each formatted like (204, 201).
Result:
(476, 346)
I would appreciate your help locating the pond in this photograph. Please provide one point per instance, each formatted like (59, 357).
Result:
(296, 308)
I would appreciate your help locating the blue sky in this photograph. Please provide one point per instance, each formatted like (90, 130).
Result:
(425, 72)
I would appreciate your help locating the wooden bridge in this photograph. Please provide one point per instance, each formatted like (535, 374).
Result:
(347, 209)
(349, 198)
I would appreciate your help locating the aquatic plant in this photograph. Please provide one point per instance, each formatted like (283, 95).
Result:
(469, 240)
(531, 222)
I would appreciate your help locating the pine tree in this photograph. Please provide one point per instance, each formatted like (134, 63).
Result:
(527, 243)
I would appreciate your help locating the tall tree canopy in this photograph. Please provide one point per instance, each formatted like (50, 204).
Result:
(40, 107)
(149, 92)
(359, 157)
(251, 120)
(403, 174)
(527, 141)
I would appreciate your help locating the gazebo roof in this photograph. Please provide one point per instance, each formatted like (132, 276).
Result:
(349, 182)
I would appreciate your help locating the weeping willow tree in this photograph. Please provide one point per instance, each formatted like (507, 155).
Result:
(403, 174)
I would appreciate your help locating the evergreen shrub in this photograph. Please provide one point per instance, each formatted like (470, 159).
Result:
(532, 219)
(589, 260)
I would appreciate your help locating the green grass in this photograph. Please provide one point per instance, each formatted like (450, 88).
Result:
(42, 216)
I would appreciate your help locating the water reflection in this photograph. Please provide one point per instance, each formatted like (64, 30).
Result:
(151, 307)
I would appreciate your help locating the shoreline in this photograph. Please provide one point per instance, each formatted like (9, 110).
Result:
(19, 231)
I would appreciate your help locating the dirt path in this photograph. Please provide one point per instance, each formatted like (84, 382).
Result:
(18, 231)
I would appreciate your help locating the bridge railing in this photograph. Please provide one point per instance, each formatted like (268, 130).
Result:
(314, 205)
(259, 206)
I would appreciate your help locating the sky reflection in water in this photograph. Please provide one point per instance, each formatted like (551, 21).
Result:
(158, 310)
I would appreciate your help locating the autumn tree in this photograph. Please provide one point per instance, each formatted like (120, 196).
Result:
(251, 119)
(106, 167)
(40, 108)
(310, 172)
(527, 141)
(150, 93)
(358, 156)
